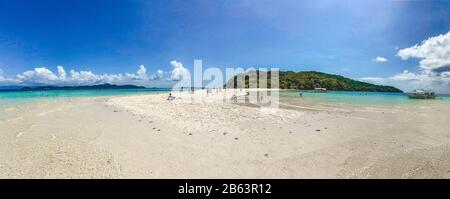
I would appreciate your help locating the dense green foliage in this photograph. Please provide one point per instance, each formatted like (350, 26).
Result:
(309, 80)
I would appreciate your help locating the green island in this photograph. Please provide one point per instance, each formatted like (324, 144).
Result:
(310, 80)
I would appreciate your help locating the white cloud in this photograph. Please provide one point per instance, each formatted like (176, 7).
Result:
(406, 75)
(61, 72)
(159, 74)
(376, 80)
(178, 71)
(6, 81)
(380, 59)
(84, 77)
(445, 75)
(37, 75)
(142, 73)
(408, 81)
(434, 65)
(434, 53)
(42, 75)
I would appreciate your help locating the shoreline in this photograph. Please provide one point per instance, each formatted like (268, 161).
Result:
(147, 136)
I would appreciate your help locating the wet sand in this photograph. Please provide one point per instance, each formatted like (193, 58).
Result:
(147, 136)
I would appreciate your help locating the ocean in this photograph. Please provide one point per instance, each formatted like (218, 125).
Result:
(14, 99)
(359, 98)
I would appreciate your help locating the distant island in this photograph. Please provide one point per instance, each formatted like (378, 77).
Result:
(93, 87)
(307, 80)
(310, 80)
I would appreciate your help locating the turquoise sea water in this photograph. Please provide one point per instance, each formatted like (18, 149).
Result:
(8, 99)
(375, 98)
(16, 97)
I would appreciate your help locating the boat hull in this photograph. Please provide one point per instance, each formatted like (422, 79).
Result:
(421, 96)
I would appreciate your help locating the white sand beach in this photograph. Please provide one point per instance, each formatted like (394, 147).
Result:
(147, 136)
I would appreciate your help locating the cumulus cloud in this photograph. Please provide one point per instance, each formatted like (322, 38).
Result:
(159, 74)
(44, 76)
(434, 66)
(408, 81)
(142, 73)
(406, 75)
(380, 59)
(178, 71)
(37, 75)
(377, 80)
(4, 80)
(433, 53)
(84, 77)
(62, 73)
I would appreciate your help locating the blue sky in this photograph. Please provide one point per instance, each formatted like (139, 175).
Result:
(116, 37)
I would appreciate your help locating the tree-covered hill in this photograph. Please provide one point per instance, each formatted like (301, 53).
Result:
(308, 80)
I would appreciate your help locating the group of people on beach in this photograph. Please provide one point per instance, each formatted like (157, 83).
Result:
(211, 90)
(208, 91)
(192, 91)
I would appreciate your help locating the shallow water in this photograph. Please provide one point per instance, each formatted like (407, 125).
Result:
(358, 98)
(15, 99)
(75, 93)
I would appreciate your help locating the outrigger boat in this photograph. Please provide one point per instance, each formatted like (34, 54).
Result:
(320, 90)
(421, 94)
